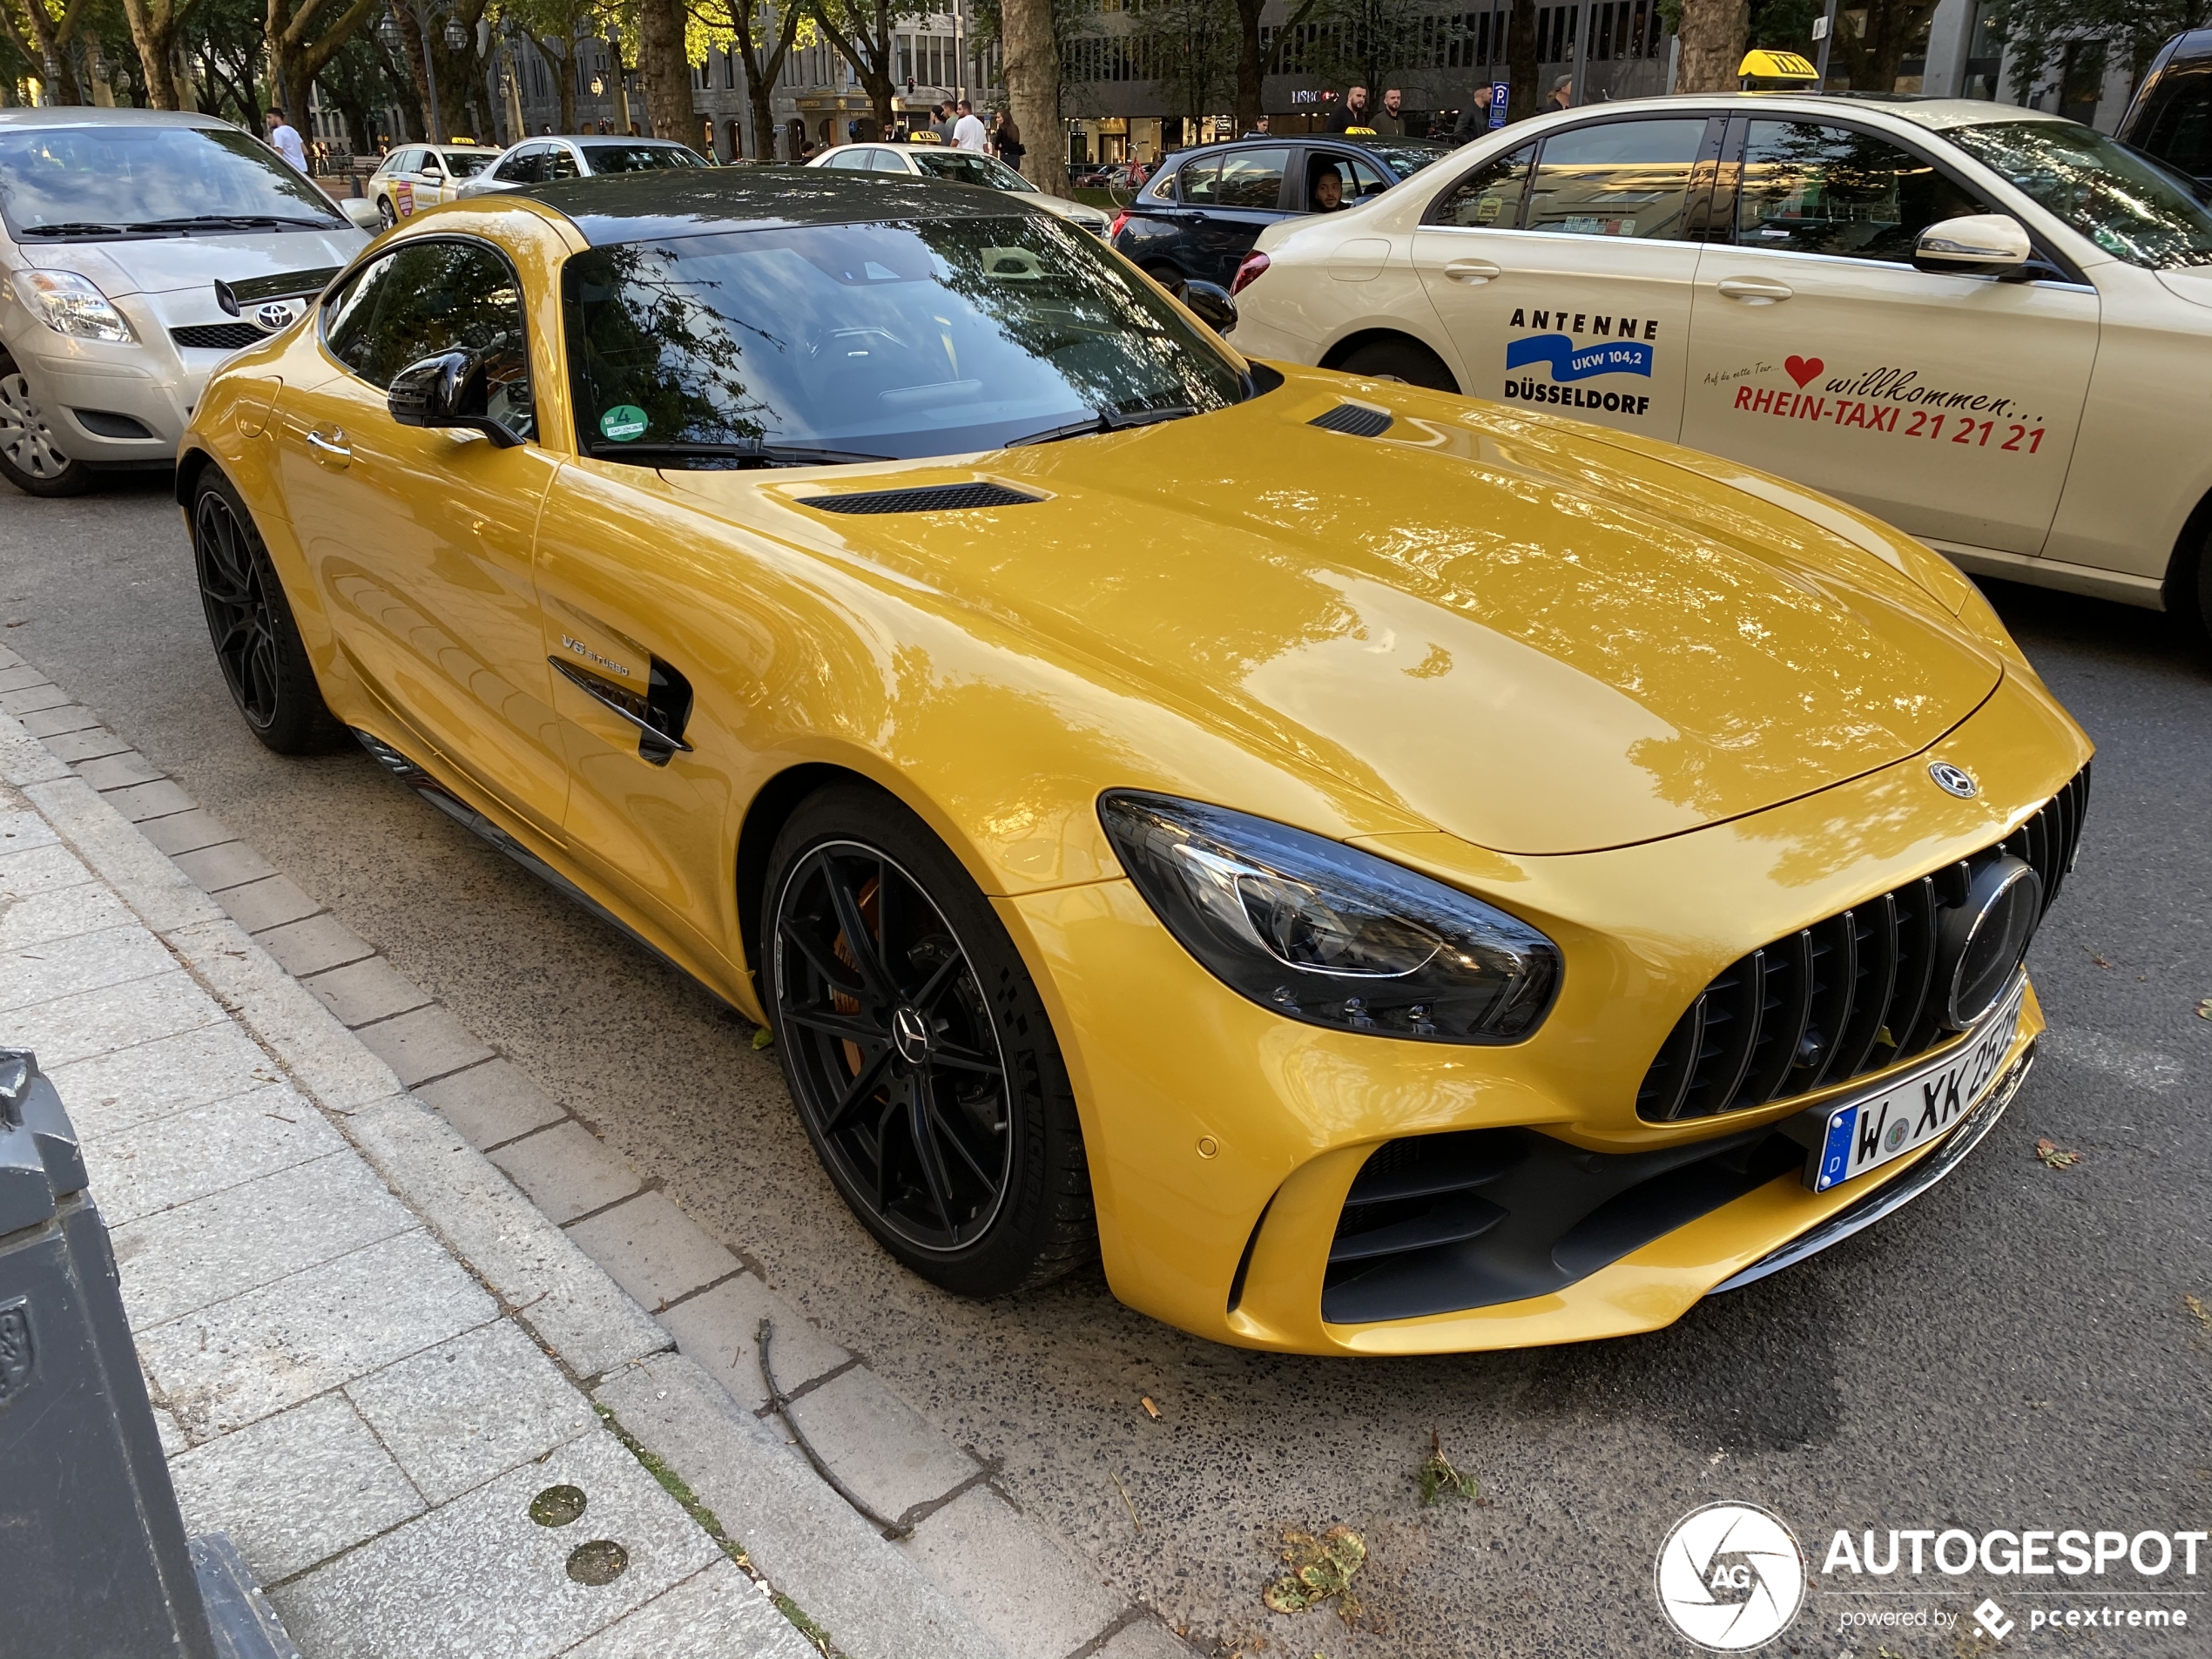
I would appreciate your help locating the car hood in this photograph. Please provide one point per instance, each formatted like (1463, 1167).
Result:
(1514, 627)
(166, 264)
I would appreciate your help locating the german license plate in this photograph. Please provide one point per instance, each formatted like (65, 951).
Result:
(1863, 1135)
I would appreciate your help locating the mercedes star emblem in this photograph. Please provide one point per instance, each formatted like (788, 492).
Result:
(1949, 779)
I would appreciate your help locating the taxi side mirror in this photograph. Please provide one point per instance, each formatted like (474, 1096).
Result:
(451, 391)
(1973, 244)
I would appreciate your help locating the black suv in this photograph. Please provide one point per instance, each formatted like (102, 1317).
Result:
(2171, 117)
(1197, 217)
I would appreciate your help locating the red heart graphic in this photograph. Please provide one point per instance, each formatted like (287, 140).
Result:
(1803, 368)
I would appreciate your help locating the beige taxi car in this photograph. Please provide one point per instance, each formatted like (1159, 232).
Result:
(1990, 327)
(418, 176)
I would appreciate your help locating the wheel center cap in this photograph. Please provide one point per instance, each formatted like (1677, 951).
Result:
(910, 1035)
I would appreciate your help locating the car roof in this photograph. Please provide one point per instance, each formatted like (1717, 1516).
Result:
(621, 138)
(1937, 114)
(87, 115)
(699, 201)
(1368, 141)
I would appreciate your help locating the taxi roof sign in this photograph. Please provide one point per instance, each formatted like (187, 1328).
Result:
(1772, 66)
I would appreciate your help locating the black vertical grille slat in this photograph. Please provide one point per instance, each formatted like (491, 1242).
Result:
(1854, 993)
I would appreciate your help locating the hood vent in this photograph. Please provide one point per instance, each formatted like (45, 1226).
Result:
(1354, 421)
(930, 498)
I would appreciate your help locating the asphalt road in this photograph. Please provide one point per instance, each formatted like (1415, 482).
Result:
(2015, 1351)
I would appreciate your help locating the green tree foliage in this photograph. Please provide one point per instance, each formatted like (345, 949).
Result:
(2131, 31)
(1190, 46)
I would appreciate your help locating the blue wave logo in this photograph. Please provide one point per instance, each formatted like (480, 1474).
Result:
(1569, 363)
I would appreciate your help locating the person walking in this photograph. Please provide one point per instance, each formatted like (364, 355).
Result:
(1006, 141)
(1259, 129)
(1562, 96)
(284, 140)
(1352, 112)
(1389, 122)
(967, 131)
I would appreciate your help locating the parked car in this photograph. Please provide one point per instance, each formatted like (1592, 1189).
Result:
(544, 161)
(137, 249)
(2171, 115)
(1973, 321)
(1201, 211)
(961, 167)
(416, 176)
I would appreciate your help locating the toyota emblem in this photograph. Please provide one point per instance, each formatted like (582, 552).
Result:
(275, 316)
(1952, 781)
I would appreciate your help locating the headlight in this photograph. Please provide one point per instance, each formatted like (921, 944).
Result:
(1325, 934)
(68, 303)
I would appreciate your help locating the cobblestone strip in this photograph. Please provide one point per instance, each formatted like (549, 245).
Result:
(1001, 1571)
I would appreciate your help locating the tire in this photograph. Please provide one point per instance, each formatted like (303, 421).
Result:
(385, 216)
(963, 1156)
(1396, 358)
(30, 456)
(250, 624)
(1166, 276)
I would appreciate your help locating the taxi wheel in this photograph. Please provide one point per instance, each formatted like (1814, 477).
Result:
(385, 216)
(918, 1052)
(30, 458)
(1399, 359)
(257, 643)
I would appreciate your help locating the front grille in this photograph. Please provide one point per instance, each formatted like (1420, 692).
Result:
(1853, 994)
(1355, 420)
(930, 498)
(218, 336)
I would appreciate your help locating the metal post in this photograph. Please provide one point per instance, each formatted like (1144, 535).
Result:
(1827, 36)
(430, 72)
(1583, 13)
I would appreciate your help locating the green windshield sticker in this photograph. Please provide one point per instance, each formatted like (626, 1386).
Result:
(622, 422)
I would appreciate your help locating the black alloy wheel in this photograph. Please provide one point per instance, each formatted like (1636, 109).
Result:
(257, 643)
(918, 1051)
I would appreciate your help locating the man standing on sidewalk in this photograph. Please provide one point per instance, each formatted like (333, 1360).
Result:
(285, 140)
(967, 131)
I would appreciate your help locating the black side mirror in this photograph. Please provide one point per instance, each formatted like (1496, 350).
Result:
(451, 391)
(1213, 304)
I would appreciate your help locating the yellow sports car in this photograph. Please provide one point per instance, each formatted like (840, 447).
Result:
(1389, 872)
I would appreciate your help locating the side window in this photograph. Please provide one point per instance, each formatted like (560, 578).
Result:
(1629, 179)
(559, 163)
(433, 297)
(1251, 179)
(1356, 180)
(522, 167)
(1364, 179)
(1200, 180)
(847, 161)
(1812, 188)
(2179, 132)
(1489, 197)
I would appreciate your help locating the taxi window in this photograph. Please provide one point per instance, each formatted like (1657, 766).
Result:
(1627, 178)
(1248, 178)
(1811, 188)
(432, 297)
(1489, 197)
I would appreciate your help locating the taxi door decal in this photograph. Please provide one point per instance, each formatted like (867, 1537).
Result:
(403, 198)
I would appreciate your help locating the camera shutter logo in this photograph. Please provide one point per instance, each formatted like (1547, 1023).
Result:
(1731, 1577)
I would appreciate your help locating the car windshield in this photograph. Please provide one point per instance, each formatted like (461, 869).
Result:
(1407, 158)
(897, 340)
(84, 183)
(2131, 209)
(467, 164)
(966, 167)
(638, 157)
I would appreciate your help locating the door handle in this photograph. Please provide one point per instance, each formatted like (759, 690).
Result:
(332, 448)
(1754, 291)
(1474, 273)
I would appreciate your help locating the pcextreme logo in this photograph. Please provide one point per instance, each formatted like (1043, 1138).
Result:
(1731, 1577)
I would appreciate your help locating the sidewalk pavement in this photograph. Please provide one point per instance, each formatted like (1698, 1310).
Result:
(381, 1359)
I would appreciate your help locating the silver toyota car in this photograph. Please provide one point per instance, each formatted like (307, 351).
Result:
(137, 249)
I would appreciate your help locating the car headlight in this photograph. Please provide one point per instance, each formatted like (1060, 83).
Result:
(69, 304)
(1327, 934)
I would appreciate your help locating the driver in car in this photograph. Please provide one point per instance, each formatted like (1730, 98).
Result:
(1327, 190)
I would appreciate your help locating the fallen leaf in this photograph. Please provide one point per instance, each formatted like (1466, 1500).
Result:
(2204, 1009)
(763, 1038)
(2055, 1157)
(2195, 1305)
(1150, 1410)
(1437, 1479)
(2098, 957)
(1321, 1569)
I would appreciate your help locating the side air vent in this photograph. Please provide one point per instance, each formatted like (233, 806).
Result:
(931, 498)
(1354, 419)
(106, 423)
(218, 336)
(1852, 993)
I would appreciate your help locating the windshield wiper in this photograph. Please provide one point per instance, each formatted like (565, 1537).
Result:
(77, 227)
(232, 221)
(759, 454)
(1105, 420)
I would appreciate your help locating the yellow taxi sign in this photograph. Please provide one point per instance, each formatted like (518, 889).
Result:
(1359, 132)
(923, 135)
(1764, 65)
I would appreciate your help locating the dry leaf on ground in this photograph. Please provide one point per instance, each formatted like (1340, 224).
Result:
(1321, 1568)
(2055, 1156)
(1437, 1479)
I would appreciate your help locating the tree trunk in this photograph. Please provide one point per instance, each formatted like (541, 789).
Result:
(1520, 58)
(1715, 34)
(1033, 91)
(413, 44)
(668, 77)
(1251, 71)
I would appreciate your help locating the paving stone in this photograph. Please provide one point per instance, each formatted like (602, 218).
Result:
(366, 991)
(460, 1414)
(566, 1171)
(1009, 1576)
(1145, 1638)
(718, 1329)
(426, 1043)
(115, 1016)
(61, 912)
(719, 1613)
(270, 902)
(235, 1362)
(75, 747)
(187, 1155)
(31, 698)
(109, 1092)
(173, 1438)
(18, 675)
(9, 659)
(311, 946)
(49, 723)
(118, 771)
(880, 1446)
(107, 841)
(225, 864)
(115, 956)
(41, 869)
(185, 832)
(156, 800)
(252, 1234)
(491, 1103)
(478, 1577)
(295, 1489)
(654, 1251)
(20, 829)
